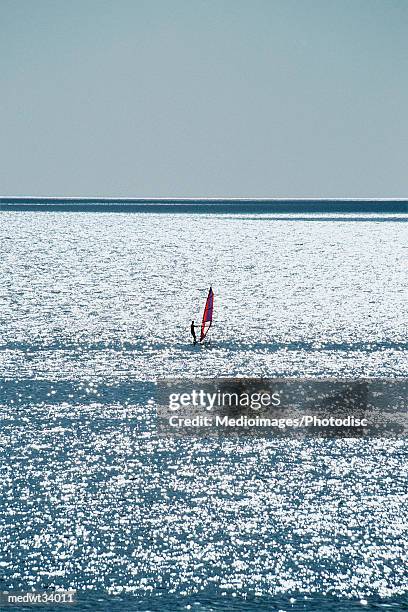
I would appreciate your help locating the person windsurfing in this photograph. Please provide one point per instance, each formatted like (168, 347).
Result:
(193, 332)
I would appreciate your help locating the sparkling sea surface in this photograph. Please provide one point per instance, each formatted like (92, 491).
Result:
(94, 309)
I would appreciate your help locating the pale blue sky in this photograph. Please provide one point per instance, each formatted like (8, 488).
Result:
(266, 98)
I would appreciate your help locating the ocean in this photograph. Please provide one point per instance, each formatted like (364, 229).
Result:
(95, 308)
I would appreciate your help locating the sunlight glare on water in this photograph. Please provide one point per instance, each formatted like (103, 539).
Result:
(94, 308)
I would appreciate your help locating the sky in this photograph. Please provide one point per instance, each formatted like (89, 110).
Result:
(204, 98)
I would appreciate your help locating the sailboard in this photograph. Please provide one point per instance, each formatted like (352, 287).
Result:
(207, 315)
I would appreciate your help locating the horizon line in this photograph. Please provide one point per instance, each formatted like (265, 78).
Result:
(205, 199)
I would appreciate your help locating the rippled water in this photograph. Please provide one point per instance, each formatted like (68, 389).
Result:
(94, 307)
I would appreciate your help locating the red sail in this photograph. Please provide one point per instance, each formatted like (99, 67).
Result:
(207, 316)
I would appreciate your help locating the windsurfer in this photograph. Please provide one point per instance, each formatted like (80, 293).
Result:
(193, 332)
